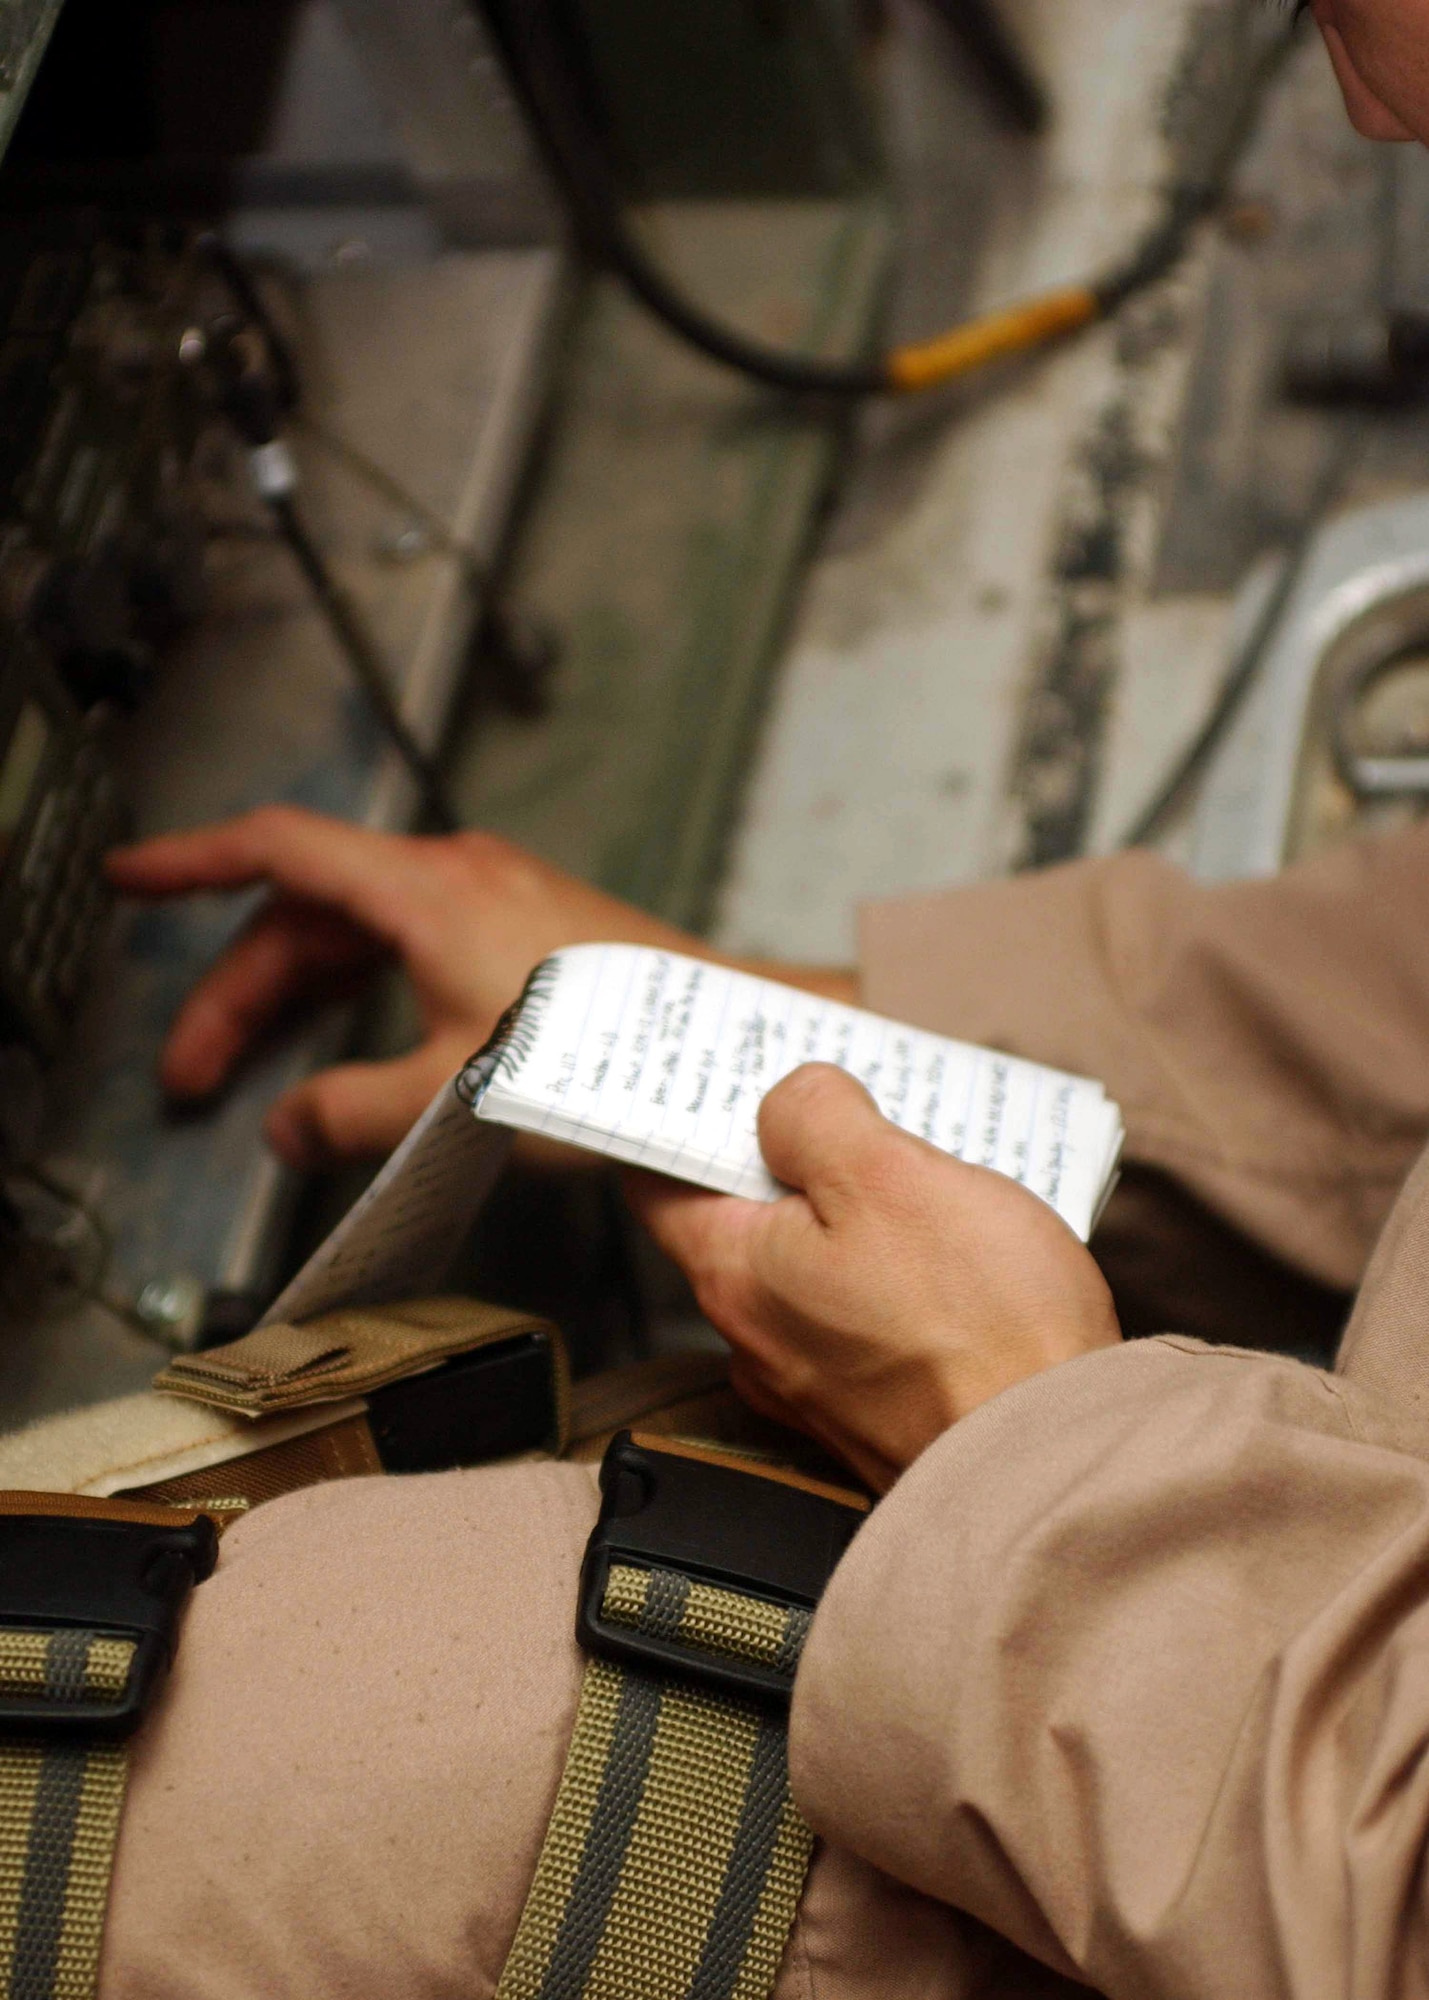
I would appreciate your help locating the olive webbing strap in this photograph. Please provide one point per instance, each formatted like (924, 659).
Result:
(675, 1857)
(60, 1804)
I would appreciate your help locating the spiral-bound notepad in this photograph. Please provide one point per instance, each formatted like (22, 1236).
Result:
(662, 1061)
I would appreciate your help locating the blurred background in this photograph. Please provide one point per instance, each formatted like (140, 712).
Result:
(521, 416)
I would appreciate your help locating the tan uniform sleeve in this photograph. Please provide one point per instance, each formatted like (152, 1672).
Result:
(1265, 1039)
(1133, 1665)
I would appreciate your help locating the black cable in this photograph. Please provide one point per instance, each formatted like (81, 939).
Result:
(260, 386)
(246, 293)
(536, 49)
(978, 26)
(540, 59)
(478, 573)
(523, 652)
(1187, 201)
(368, 668)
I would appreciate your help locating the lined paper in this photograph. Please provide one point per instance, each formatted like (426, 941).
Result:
(662, 1061)
(401, 1235)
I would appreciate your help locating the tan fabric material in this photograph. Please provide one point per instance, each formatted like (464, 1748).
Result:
(61, 1797)
(78, 1507)
(25, 1666)
(622, 1398)
(344, 1450)
(675, 1858)
(1266, 1040)
(1172, 1262)
(394, 1665)
(1140, 1652)
(138, 1441)
(1159, 1703)
(338, 1355)
(1386, 1344)
(1133, 1665)
(60, 1808)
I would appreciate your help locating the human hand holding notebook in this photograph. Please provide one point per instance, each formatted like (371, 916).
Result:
(662, 1061)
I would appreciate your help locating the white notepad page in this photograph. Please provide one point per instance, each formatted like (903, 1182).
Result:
(661, 1061)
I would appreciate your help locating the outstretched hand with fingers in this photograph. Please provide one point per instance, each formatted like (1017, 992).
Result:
(892, 1291)
(467, 914)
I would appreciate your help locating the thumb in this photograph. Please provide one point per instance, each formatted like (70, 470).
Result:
(817, 1131)
(356, 1110)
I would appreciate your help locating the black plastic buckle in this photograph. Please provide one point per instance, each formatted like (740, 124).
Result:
(714, 1524)
(119, 1579)
(486, 1404)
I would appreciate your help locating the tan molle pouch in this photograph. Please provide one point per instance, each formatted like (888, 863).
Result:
(423, 1386)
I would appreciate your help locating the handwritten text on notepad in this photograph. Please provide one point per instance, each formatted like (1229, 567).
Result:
(679, 1054)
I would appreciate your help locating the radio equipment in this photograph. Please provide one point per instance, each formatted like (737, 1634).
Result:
(58, 813)
(100, 563)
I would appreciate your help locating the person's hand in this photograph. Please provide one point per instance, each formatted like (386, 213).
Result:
(467, 915)
(893, 1291)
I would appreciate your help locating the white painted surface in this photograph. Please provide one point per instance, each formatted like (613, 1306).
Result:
(1173, 654)
(885, 762)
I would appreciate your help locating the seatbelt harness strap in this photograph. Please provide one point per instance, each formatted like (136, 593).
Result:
(675, 1857)
(59, 1818)
(91, 1592)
